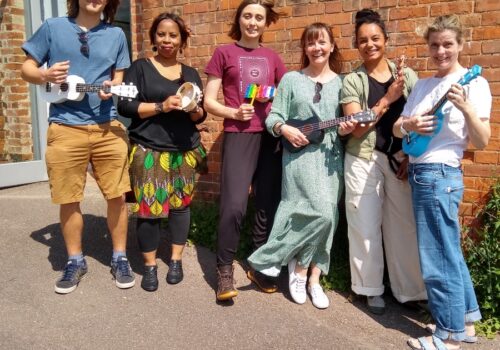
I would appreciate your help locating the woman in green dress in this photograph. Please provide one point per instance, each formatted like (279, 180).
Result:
(307, 215)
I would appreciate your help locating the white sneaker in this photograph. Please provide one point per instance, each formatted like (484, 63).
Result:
(318, 296)
(297, 285)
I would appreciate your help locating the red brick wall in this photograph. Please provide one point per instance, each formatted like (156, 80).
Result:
(405, 19)
(15, 119)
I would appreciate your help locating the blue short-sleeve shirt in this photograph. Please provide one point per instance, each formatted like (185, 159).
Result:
(58, 40)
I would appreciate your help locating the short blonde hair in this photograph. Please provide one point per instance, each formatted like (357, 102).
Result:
(442, 23)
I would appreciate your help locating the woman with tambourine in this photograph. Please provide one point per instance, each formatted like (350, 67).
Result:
(378, 199)
(436, 180)
(165, 145)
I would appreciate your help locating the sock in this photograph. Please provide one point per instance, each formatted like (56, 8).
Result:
(78, 258)
(117, 254)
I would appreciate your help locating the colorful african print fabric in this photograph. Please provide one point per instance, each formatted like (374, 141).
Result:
(163, 180)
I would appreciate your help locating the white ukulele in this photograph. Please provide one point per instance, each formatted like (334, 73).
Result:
(74, 89)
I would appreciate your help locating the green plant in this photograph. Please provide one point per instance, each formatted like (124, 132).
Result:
(339, 276)
(204, 221)
(482, 254)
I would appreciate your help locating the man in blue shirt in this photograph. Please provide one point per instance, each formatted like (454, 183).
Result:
(85, 131)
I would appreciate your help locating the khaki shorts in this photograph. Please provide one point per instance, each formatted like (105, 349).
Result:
(70, 148)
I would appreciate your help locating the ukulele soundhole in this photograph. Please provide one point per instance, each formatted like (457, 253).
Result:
(64, 87)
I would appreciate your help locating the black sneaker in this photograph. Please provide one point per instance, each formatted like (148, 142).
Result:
(72, 274)
(150, 278)
(124, 277)
(175, 274)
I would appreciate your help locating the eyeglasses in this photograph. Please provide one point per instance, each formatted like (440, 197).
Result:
(84, 39)
(317, 89)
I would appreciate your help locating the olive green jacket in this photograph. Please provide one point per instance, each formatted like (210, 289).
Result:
(355, 89)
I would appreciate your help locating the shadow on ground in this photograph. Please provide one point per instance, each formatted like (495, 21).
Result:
(96, 243)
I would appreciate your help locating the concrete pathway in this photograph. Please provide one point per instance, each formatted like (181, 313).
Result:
(100, 316)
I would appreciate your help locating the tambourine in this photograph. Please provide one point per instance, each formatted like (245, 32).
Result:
(190, 96)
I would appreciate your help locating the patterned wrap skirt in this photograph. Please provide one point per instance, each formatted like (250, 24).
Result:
(163, 180)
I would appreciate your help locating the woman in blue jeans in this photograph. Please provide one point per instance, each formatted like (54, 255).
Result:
(437, 185)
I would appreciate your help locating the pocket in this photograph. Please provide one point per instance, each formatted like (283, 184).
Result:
(454, 189)
(360, 176)
(118, 124)
(53, 133)
(117, 128)
(423, 178)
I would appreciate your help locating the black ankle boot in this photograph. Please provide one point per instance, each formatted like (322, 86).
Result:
(175, 274)
(150, 278)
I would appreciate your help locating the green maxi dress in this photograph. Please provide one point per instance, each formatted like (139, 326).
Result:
(307, 215)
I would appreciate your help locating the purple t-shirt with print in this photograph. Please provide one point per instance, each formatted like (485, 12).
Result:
(237, 67)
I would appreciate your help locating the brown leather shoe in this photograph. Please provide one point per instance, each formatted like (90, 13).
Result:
(225, 288)
(262, 281)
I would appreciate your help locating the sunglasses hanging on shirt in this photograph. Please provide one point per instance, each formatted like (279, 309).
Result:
(84, 40)
(317, 89)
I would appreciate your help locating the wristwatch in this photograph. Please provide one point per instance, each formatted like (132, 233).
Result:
(402, 128)
(159, 107)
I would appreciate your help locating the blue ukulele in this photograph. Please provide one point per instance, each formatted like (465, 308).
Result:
(415, 144)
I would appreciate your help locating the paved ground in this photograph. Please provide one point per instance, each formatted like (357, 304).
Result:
(100, 316)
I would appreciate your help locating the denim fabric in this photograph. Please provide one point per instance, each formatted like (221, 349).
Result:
(436, 192)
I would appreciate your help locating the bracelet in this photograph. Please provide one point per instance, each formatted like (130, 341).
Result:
(277, 130)
(159, 107)
(402, 128)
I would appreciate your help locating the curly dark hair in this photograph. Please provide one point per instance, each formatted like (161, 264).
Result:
(367, 16)
(174, 18)
(108, 13)
(271, 16)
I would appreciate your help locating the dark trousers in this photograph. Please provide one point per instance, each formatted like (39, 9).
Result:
(247, 159)
(148, 230)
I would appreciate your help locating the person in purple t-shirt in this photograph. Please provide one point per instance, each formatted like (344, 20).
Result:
(250, 155)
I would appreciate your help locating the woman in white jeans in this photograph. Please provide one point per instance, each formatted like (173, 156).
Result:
(378, 199)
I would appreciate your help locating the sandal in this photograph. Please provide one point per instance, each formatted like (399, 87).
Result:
(470, 339)
(437, 344)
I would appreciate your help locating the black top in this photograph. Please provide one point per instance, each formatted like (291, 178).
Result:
(171, 131)
(385, 142)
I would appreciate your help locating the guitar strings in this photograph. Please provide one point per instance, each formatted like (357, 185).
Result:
(323, 124)
(327, 123)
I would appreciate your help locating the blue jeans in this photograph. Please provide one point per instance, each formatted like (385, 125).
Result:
(437, 190)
